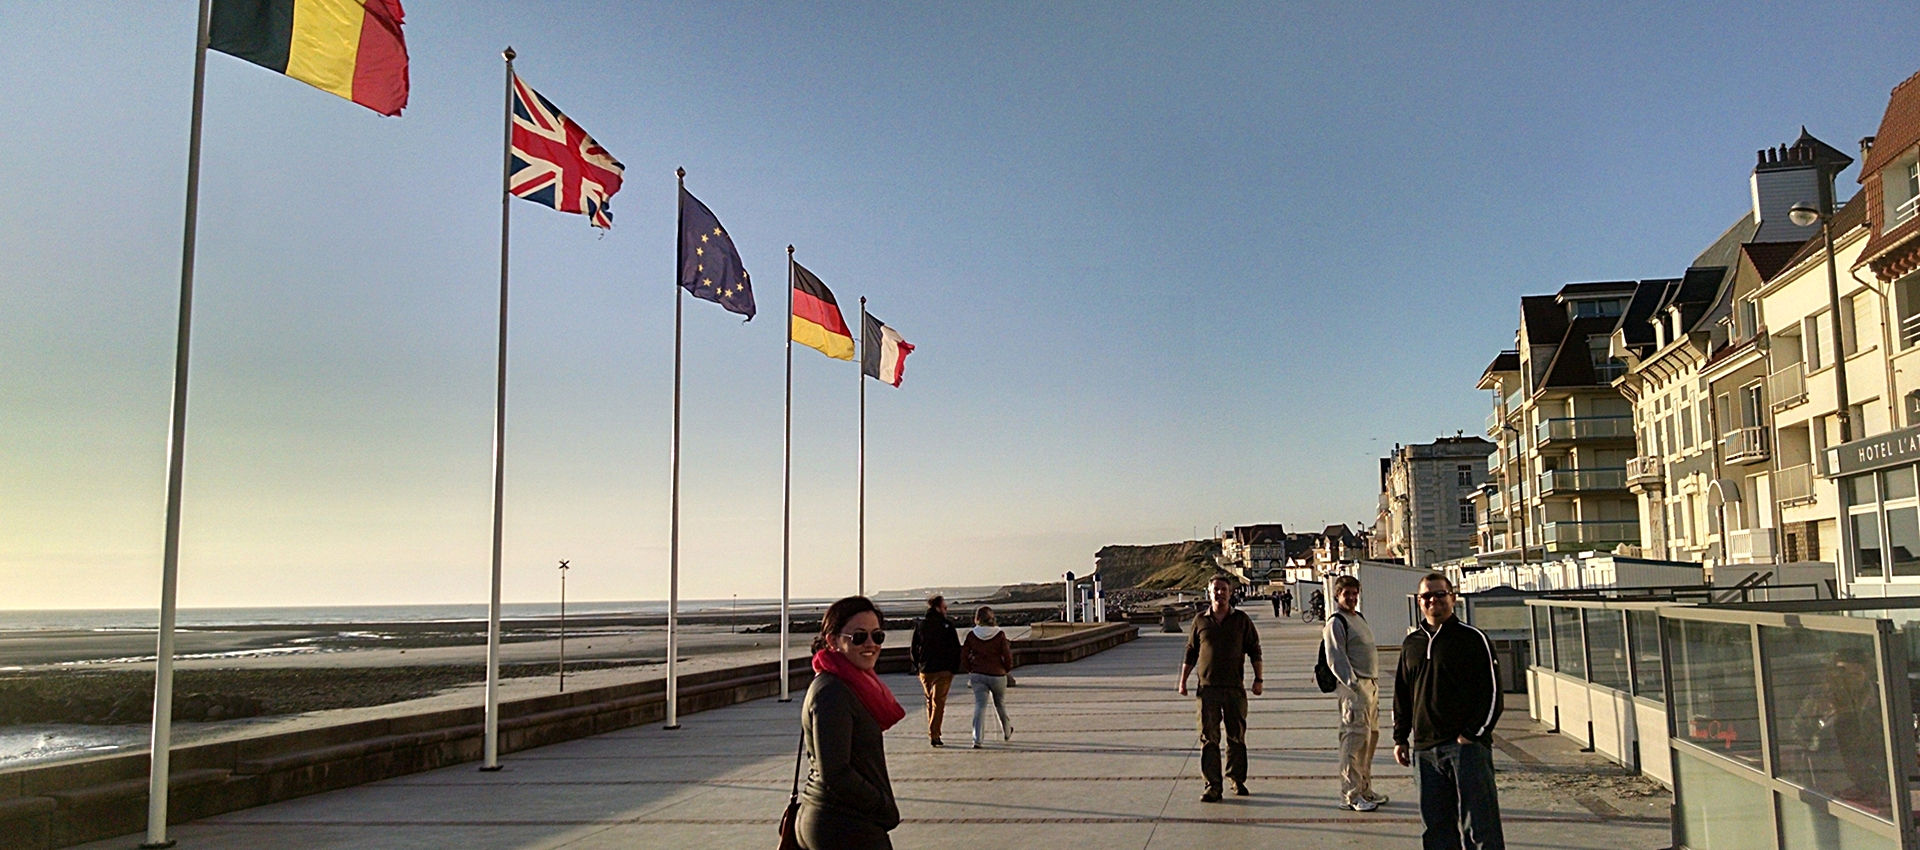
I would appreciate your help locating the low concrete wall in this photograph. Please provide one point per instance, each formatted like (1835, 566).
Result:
(59, 805)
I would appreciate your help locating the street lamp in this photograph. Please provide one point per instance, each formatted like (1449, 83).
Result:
(1827, 163)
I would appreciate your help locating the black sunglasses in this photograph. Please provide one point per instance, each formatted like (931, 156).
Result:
(1434, 595)
(858, 638)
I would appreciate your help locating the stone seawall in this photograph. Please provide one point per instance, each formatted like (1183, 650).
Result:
(59, 805)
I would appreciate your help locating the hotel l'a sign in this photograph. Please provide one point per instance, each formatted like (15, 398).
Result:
(1895, 448)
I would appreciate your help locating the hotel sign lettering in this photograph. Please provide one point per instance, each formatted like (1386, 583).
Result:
(1898, 448)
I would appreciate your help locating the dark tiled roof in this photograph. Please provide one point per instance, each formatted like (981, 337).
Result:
(1505, 361)
(1596, 288)
(1899, 128)
(1635, 322)
(1544, 318)
(1264, 533)
(1572, 364)
(1769, 258)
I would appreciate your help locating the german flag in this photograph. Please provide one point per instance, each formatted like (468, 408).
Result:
(352, 48)
(816, 317)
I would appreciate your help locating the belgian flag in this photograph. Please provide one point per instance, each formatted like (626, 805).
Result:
(816, 317)
(352, 48)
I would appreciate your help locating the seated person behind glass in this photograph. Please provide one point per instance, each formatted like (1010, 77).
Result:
(1840, 721)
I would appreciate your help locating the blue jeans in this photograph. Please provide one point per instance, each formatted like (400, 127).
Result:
(985, 686)
(1457, 798)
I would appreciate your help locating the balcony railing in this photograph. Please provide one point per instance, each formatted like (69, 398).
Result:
(1909, 330)
(1494, 421)
(1584, 428)
(1565, 481)
(1513, 496)
(1746, 445)
(1750, 545)
(1906, 210)
(1609, 370)
(1788, 386)
(1794, 484)
(1643, 470)
(1597, 534)
(1495, 503)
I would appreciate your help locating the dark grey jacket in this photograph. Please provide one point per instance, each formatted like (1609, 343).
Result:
(849, 757)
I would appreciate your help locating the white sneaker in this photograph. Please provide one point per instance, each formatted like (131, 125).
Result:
(1364, 805)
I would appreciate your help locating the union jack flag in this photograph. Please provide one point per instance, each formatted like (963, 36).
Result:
(556, 163)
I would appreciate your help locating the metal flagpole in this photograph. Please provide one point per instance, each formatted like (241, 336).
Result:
(786, 492)
(863, 448)
(673, 462)
(176, 448)
(490, 745)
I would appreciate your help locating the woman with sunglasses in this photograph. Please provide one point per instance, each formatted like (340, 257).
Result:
(848, 799)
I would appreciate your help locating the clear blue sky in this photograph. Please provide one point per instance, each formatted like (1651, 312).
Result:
(1166, 268)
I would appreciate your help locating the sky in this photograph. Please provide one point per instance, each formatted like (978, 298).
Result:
(1166, 267)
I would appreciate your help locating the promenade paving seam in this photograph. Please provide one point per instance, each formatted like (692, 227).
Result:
(1104, 754)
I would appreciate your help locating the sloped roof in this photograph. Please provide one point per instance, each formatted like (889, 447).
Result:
(1768, 258)
(1899, 128)
(1260, 534)
(1572, 364)
(1846, 218)
(1635, 325)
(1544, 318)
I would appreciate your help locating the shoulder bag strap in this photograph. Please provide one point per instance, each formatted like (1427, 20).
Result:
(799, 753)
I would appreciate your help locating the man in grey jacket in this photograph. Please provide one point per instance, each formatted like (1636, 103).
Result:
(1354, 659)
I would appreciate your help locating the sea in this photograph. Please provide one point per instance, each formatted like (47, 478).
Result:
(148, 619)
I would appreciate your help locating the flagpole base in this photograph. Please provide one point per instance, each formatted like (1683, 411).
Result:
(493, 769)
(788, 699)
(674, 726)
(148, 845)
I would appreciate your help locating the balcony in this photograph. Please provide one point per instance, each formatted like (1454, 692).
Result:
(1580, 428)
(1750, 546)
(1495, 504)
(1494, 421)
(1606, 372)
(1567, 482)
(1794, 485)
(1906, 210)
(1909, 330)
(1788, 386)
(1746, 445)
(1593, 534)
(1644, 471)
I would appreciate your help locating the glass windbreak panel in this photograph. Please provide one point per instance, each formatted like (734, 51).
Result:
(1716, 810)
(1825, 691)
(1648, 681)
(1866, 544)
(1715, 703)
(1569, 655)
(1507, 617)
(1606, 648)
(1542, 637)
(1903, 540)
(1807, 826)
(1896, 484)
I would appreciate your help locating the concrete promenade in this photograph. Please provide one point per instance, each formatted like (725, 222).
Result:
(1104, 754)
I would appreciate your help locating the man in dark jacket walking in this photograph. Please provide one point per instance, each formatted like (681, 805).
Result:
(936, 656)
(1446, 698)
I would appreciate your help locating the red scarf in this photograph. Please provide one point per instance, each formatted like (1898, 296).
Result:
(878, 698)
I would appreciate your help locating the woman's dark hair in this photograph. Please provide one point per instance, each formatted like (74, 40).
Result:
(837, 616)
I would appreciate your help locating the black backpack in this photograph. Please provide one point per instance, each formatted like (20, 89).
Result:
(1323, 674)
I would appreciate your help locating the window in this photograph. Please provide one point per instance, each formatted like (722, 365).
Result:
(1752, 401)
(1466, 514)
(1464, 474)
(1906, 302)
(1746, 318)
(1810, 341)
(1849, 335)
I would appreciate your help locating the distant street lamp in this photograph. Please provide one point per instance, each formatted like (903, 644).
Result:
(563, 625)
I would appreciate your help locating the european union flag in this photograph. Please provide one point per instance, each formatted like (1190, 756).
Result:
(710, 268)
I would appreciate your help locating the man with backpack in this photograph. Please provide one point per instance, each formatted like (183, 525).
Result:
(1347, 643)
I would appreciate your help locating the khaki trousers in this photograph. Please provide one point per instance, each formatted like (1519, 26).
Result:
(935, 687)
(1359, 736)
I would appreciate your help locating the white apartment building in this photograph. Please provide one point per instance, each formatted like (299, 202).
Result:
(1422, 492)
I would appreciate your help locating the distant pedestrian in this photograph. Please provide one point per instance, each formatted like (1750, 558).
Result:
(1286, 601)
(936, 656)
(1446, 698)
(1220, 644)
(847, 803)
(1348, 641)
(987, 657)
(1275, 599)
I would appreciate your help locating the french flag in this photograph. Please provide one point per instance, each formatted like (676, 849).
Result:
(883, 353)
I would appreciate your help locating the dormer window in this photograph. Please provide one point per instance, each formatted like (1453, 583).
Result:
(1902, 184)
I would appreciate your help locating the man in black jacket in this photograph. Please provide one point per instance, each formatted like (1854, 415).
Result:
(1446, 698)
(936, 656)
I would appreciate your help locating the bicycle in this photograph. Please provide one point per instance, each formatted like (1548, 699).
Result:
(1315, 608)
